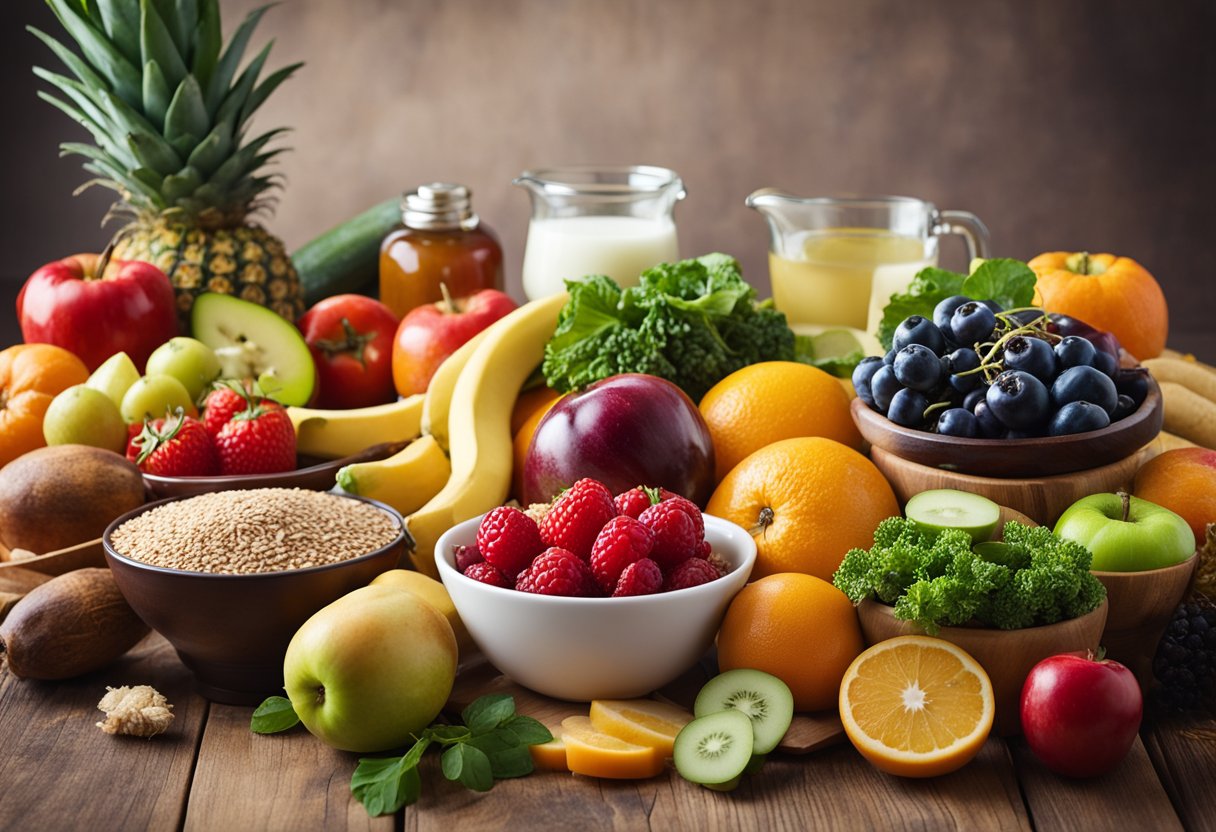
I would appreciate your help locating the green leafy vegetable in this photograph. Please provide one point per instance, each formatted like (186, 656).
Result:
(1030, 579)
(836, 351)
(1008, 282)
(491, 745)
(274, 715)
(693, 322)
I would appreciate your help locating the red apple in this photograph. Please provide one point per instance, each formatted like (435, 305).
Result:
(428, 334)
(624, 431)
(127, 308)
(1080, 715)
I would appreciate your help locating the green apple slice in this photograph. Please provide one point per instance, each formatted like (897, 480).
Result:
(945, 508)
(251, 341)
(114, 377)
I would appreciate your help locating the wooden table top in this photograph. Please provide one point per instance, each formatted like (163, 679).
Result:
(59, 772)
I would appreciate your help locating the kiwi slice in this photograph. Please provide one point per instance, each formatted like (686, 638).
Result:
(761, 696)
(935, 511)
(713, 750)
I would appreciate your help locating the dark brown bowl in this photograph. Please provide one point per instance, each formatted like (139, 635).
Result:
(1037, 457)
(310, 473)
(232, 631)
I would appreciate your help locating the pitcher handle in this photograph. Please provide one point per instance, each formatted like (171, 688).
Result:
(966, 225)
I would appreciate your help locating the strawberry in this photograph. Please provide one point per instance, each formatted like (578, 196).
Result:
(577, 517)
(222, 404)
(692, 572)
(675, 533)
(508, 539)
(621, 542)
(176, 446)
(557, 571)
(487, 574)
(642, 577)
(258, 440)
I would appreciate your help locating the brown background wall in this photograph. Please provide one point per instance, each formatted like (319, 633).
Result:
(1082, 124)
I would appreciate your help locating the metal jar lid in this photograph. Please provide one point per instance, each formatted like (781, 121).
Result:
(439, 206)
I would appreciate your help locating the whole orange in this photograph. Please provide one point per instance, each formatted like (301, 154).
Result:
(802, 630)
(530, 401)
(1112, 293)
(523, 436)
(30, 376)
(763, 403)
(1184, 481)
(806, 501)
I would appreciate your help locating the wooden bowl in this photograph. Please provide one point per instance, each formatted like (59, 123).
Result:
(313, 474)
(1007, 655)
(1037, 457)
(1141, 606)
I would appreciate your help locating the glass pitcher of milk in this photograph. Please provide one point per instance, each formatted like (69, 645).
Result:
(614, 220)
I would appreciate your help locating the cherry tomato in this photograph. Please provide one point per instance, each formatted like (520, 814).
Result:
(351, 340)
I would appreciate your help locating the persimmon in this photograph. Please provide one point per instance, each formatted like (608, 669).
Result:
(1112, 293)
(30, 376)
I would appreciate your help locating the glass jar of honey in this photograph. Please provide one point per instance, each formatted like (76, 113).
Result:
(440, 241)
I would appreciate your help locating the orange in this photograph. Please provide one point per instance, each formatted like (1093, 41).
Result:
(30, 376)
(550, 756)
(529, 402)
(802, 630)
(523, 435)
(1184, 481)
(640, 721)
(770, 401)
(597, 754)
(806, 501)
(916, 706)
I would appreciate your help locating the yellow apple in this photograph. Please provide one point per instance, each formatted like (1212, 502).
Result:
(435, 594)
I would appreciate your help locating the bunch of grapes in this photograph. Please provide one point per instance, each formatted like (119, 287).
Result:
(977, 370)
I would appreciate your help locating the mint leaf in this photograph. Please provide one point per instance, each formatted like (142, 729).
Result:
(515, 761)
(274, 715)
(448, 734)
(486, 713)
(385, 784)
(1008, 282)
(476, 772)
(930, 287)
(527, 730)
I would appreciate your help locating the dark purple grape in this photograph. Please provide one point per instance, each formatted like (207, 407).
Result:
(1125, 406)
(1025, 317)
(1075, 351)
(862, 374)
(1077, 417)
(1084, 384)
(989, 426)
(1132, 382)
(918, 368)
(993, 306)
(1031, 355)
(918, 330)
(972, 323)
(1064, 325)
(908, 408)
(1018, 399)
(884, 385)
(889, 357)
(957, 422)
(959, 361)
(1107, 363)
(976, 395)
(943, 311)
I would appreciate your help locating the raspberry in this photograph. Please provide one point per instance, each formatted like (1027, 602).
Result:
(691, 509)
(675, 533)
(487, 574)
(704, 550)
(508, 539)
(557, 571)
(622, 541)
(466, 556)
(577, 517)
(632, 502)
(692, 572)
(642, 577)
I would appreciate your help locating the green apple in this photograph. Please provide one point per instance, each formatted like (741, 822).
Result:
(81, 415)
(152, 396)
(1125, 533)
(114, 377)
(372, 668)
(188, 360)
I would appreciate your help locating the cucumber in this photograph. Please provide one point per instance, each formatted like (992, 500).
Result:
(346, 258)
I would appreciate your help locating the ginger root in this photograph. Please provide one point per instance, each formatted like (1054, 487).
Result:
(138, 712)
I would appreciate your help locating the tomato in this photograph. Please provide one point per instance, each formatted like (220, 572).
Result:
(351, 340)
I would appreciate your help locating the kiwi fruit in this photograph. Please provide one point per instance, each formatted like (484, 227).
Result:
(762, 697)
(935, 511)
(714, 750)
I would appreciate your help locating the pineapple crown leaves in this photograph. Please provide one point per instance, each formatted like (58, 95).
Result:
(163, 100)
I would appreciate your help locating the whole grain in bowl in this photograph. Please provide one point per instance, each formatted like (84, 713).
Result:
(258, 530)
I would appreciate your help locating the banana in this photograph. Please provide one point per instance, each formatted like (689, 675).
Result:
(406, 480)
(333, 434)
(479, 424)
(439, 392)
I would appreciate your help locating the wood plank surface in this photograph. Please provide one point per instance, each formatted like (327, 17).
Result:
(1130, 797)
(1183, 750)
(288, 781)
(59, 771)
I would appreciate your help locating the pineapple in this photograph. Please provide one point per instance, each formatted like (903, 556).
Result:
(169, 114)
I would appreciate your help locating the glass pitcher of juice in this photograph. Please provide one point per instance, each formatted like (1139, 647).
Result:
(837, 261)
(590, 220)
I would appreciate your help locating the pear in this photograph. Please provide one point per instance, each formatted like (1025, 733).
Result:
(114, 377)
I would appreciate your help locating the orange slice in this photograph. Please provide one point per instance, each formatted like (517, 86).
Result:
(597, 754)
(916, 706)
(640, 721)
(551, 755)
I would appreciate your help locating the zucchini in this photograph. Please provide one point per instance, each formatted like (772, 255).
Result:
(346, 258)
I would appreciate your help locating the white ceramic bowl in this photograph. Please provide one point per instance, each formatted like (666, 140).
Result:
(596, 648)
